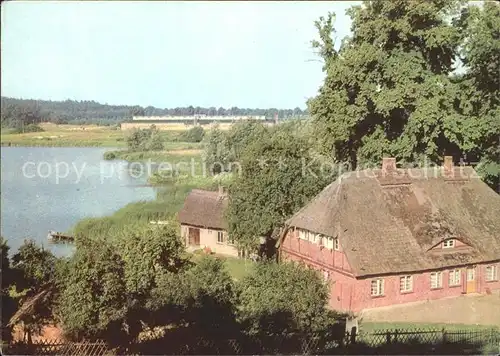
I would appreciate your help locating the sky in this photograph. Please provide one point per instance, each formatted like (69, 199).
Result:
(165, 54)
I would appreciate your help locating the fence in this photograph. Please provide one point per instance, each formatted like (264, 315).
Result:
(416, 341)
(57, 347)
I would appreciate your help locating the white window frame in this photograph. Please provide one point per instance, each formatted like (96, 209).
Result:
(491, 273)
(377, 287)
(436, 280)
(454, 277)
(329, 242)
(336, 244)
(450, 243)
(406, 284)
(220, 234)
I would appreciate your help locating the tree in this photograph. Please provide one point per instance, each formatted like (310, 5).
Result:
(282, 298)
(479, 95)
(194, 134)
(145, 140)
(35, 278)
(388, 89)
(204, 297)
(8, 303)
(216, 153)
(93, 300)
(241, 134)
(107, 290)
(279, 175)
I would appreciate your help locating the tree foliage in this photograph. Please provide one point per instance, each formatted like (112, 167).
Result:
(216, 153)
(106, 290)
(145, 140)
(194, 134)
(16, 112)
(279, 175)
(390, 88)
(8, 303)
(281, 298)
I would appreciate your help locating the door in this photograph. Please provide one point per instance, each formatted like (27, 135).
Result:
(471, 280)
(194, 236)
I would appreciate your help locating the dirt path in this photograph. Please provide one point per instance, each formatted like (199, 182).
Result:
(476, 309)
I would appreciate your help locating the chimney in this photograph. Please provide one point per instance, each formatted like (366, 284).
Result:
(448, 163)
(388, 164)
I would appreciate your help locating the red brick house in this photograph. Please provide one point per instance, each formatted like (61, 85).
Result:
(203, 224)
(388, 236)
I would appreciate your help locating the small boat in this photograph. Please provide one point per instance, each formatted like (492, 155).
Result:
(54, 236)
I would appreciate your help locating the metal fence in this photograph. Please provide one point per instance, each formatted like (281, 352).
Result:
(414, 341)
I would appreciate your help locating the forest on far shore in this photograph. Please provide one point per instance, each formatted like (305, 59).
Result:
(18, 112)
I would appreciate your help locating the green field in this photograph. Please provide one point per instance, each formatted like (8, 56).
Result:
(85, 136)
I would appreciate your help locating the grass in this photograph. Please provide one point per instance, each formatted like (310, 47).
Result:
(66, 136)
(238, 268)
(86, 136)
(168, 202)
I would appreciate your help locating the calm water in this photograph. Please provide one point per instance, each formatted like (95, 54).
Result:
(53, 188)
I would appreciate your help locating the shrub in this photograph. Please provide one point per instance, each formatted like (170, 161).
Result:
(109, 155)
(194, 134)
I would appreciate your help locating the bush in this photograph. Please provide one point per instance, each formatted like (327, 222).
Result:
(145, 140)
(109, 155)
(194, 134)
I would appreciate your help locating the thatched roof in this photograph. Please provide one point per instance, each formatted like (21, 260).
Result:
(205, 209)
(388, 224)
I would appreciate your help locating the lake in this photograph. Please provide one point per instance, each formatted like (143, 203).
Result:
(52, 188)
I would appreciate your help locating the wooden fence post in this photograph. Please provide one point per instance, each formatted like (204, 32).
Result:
(443, 332)
(395, 336)
(388, 337)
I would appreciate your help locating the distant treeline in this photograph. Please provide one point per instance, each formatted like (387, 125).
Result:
(19, 112)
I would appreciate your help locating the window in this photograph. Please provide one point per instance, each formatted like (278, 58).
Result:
(454, 278)
(491, 273)
(336, 245)
(230, 240)
(406, 284)
(326, 275)
(436, 280)
(220, 237)
(329, 242)
(377, 288)
(448, 243)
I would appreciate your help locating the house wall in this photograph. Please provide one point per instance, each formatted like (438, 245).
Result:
(339, 277)
(208, 238)
(350, 294)
(421, 288)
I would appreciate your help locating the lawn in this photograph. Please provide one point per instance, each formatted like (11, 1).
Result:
(238, 268)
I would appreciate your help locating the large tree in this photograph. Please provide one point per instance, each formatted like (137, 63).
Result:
(480, 85)
(279, 175)
(388, 88)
